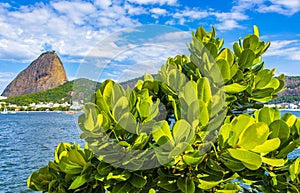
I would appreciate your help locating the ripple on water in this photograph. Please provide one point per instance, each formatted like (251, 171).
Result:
(28, 141)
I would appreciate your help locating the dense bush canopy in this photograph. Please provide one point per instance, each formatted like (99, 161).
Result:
(199, 126)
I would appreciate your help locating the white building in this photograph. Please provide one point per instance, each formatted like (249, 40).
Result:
(3, 98)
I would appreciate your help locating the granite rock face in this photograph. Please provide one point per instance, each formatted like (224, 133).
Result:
(46, 72)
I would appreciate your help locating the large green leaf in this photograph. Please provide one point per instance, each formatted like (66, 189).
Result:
(119, 176)
(251, 42)
(204, 90)
(189, 92)
(91, 118)
(169, 184)
(246, 59)
(251, 160)
(76, 157)
(226, 131)
(61, 147)
(273, 162)
(280, 129)
(235, 88)
(186, 185)
(176, 80)
(104, 168)
(138, 181)
(237, 49)
(193, 158)
(178, 149)
(121, 107)
(274, 83)
(267, 115)
(212, 49)
(140, 141)
(203, 115)
(262, 95)
(224, 69)
(182, 132)
(117, 93)
(232, 163)
(107, 93)
(227, 55)
(161, 130)
(122, 187)
(289, 119)
(206, 185)
(253, 136)
(267, 146)
(256, 31)
(263, 78)
(295, 169)
(128, 123)
(69, 167)
(79, 181)
(239, 124)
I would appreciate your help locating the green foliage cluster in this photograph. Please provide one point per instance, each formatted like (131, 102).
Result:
(187, 130)
(286, 99)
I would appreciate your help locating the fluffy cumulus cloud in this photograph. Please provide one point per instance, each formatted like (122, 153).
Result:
(157, 12)
(73, 28)
(229, 20)
(123, 56)
(103, 3)
(160, 2)
(288, 49)
(288, 7)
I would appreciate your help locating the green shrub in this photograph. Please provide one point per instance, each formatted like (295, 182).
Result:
(187, 130)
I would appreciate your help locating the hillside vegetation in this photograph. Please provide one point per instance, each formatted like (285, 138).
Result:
(67, 91)
(60, 94)
(291, 92)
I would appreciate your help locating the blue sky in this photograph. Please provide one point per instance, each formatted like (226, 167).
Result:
(82, 28)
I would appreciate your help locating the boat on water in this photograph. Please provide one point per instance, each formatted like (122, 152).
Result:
(5, 111)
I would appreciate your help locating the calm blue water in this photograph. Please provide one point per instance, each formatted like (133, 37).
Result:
(28, 140)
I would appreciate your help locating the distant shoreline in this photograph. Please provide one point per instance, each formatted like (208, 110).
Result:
(65, 112)
(289, 109)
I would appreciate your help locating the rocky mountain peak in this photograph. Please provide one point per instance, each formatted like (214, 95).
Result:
(46, 72)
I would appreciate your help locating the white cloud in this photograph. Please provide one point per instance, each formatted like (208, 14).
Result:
(77, 11)
(191, 14)
(71, 28)
(134, 10)
(289, 49)
(284, 7)
(161, 2)
(228, 25)
(157, 12)
(288, 7)
(229, 20)
(127, 57)
(104, 4)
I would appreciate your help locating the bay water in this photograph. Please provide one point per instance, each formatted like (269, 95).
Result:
(28, 141)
